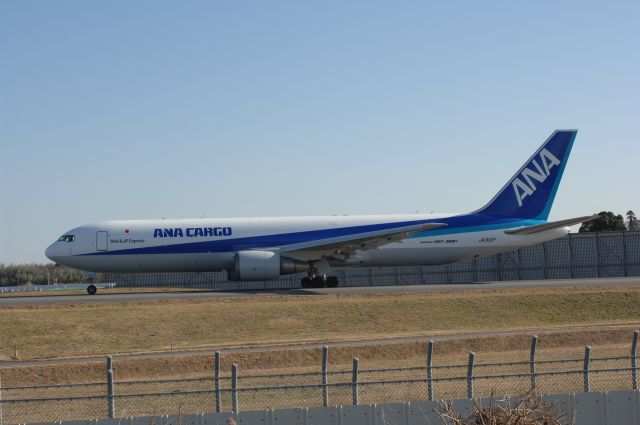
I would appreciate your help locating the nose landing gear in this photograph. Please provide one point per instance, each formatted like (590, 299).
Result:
(91, 277)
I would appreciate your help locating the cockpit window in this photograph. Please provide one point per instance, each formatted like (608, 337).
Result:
(66, 238)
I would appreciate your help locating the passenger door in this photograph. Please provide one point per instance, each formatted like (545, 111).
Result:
(102, 243)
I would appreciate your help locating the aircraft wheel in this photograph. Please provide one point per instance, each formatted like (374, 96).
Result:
(307, 283)
(332, 282)
(91, 289)
(319, 282)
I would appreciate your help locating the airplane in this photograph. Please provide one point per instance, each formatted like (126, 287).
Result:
(266, 248)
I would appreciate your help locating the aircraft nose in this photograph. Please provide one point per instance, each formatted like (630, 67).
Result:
(50, 252)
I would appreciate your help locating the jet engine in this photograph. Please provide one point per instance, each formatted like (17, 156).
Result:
(263, 265)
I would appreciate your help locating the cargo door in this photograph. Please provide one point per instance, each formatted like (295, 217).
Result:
(101, 241)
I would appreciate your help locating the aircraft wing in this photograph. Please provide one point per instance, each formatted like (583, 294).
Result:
(342, 247)
(529, 230)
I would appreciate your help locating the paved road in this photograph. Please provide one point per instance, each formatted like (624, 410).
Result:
(105, 296)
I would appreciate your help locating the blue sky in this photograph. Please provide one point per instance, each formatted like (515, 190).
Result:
(154, 109)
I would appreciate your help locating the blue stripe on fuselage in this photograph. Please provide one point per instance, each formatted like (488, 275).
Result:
(456, 224)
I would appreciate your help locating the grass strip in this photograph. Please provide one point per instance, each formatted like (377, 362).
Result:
(49, 331)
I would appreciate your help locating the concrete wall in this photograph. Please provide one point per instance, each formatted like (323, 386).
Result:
(612, 408)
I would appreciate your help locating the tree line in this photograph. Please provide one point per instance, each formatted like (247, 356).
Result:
(38, 274)
(610, 222)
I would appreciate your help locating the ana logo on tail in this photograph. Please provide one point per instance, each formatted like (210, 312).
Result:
(523, 185)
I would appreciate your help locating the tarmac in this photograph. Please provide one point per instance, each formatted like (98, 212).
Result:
(106, 296)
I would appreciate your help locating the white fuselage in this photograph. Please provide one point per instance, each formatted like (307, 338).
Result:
(210, 244)
(266, 248)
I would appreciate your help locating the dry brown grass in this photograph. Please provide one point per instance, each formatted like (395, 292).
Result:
(605, 342)
(566, 319)
(50, 331)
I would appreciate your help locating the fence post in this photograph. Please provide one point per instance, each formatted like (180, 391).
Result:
(325, 381)
(234, 388)
(545, 260)
(571, 273)
(429, 371)
(624, 254)
(0, 400)
(354, 381)
(587, 362)
(532, 363)
(472, 357)
(597, 254)
(476, 266)
(111, 402)
(634, 365)
(216, 380)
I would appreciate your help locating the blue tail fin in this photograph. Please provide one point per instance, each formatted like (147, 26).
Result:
(530, 192)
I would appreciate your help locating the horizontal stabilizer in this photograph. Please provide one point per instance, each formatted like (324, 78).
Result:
(551, 225)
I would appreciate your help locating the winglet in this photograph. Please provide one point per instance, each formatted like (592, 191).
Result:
(530, 192)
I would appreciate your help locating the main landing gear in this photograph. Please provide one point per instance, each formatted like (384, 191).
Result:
(316, 278)
(320, 282)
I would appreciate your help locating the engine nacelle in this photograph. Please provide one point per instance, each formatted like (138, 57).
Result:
(263, 265)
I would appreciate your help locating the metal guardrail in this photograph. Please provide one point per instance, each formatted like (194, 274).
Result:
(224, 392)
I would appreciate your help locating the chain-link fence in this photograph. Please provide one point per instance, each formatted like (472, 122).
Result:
(581, 255)
(237, 391)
